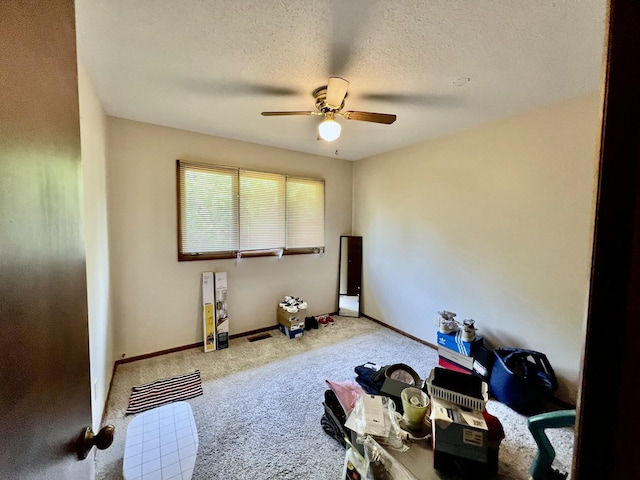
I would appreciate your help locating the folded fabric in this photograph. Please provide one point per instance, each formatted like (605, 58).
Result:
(370, 378)
(347, 393)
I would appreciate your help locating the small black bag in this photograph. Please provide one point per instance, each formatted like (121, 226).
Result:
(334, 418)
(522, 379)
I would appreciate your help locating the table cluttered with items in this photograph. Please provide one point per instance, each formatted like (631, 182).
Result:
(396, 425)
(436, 429)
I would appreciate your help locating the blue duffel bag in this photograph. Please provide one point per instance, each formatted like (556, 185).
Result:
(522, 379)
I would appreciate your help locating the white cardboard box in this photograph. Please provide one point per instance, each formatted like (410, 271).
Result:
(208, 315)
(222, 312)
(456, 357)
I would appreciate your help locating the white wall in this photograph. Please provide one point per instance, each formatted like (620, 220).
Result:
(495, 224)
(94, 159)
(156, 299)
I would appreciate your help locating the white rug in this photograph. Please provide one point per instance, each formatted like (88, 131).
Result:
(260, 413)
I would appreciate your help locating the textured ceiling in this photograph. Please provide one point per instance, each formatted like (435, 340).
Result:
(212, 66)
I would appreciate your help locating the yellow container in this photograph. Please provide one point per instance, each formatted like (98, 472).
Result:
(416, 404)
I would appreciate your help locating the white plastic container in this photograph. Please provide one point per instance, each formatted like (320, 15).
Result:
(458, 398)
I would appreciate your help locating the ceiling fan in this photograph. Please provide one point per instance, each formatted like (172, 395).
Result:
(329, 103)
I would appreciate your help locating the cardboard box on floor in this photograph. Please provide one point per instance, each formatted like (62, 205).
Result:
(290, 324)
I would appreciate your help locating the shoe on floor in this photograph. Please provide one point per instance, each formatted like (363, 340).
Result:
(310, 322)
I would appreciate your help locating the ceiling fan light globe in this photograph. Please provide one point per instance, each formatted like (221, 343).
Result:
(329, 130)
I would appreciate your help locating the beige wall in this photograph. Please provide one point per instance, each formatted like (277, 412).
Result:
(94, 159)
(494, 223)
(156, 299)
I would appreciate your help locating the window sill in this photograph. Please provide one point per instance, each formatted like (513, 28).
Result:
(249, 254)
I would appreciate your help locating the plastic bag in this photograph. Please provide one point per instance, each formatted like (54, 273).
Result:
(375, 415)
(354, 467)
(380, 465)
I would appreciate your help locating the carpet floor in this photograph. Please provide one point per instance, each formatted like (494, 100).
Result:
(260, 413)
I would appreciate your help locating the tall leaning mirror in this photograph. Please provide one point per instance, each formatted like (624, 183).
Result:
(350, 281)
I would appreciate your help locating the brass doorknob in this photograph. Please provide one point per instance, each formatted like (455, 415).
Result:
(88, 439)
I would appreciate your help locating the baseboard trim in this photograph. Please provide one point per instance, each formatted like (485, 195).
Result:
(187, 347)
(401, 332)
(158, 353)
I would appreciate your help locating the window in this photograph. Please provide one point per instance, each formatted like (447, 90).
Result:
(226, 212)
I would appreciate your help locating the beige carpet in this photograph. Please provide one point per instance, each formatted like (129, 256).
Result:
(259, 417)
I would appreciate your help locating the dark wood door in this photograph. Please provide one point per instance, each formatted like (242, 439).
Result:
(354, 265)
(44, 354)
(607, 445)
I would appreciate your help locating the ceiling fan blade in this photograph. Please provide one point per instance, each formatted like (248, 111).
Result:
(336, 91)
(275, 114)
(385, 118)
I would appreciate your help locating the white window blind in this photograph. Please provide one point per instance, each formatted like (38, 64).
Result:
(262, 211)
(305, 213)
(209, 204)
(224, 212)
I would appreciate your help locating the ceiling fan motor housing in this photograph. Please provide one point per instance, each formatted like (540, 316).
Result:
(320, 94)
